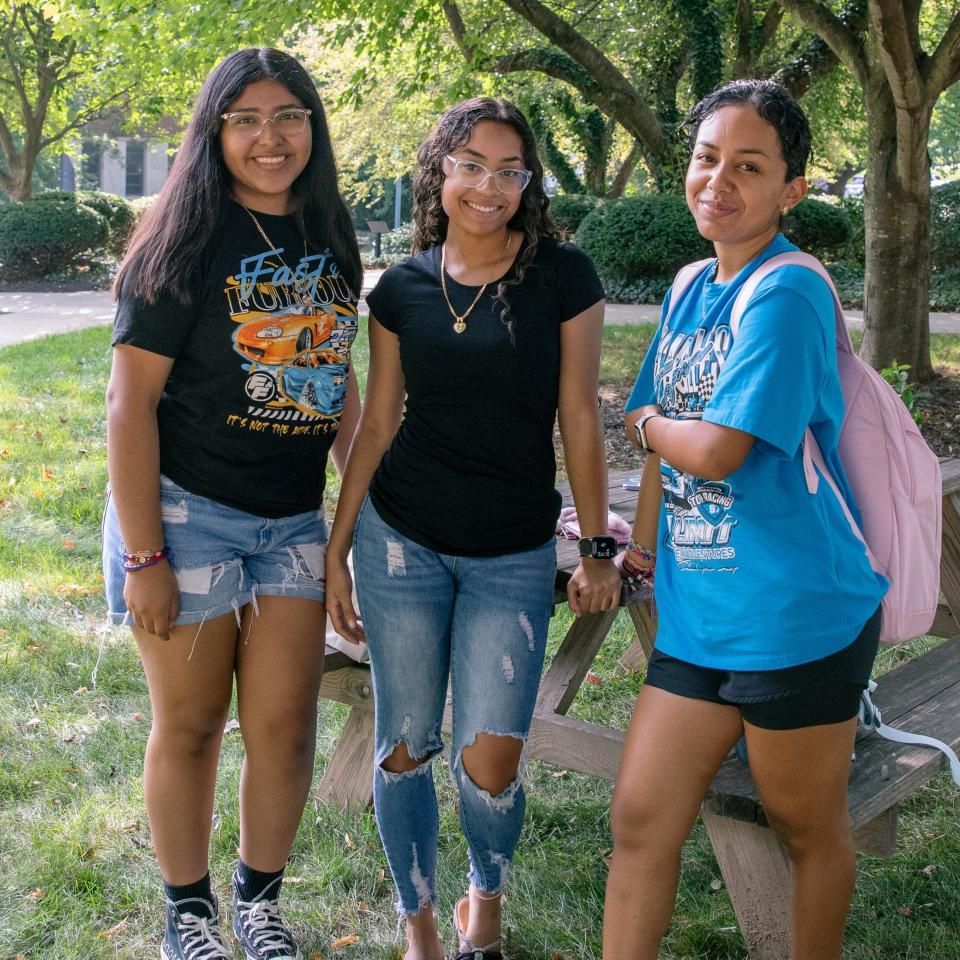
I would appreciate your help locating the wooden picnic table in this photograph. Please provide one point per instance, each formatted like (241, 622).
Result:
(922, 695)
(554, 737)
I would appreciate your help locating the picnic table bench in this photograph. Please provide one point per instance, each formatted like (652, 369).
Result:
(921, 695)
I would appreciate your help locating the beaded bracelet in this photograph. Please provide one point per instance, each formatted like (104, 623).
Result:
(142, 559)
(632, 572)
(645, 552)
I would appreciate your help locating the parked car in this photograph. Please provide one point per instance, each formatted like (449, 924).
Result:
(854, 186)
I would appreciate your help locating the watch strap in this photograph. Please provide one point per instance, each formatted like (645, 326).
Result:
(641, 430)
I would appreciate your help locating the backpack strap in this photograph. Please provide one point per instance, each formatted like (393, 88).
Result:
(793, 258)
(870, 718)
(814, 464)
(685, 276)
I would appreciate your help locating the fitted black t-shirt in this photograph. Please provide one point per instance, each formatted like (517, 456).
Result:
(471, 470)
(261, 364)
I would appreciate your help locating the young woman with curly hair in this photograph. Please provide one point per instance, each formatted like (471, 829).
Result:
(475, 343)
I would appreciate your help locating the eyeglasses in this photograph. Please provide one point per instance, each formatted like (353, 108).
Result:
(473, 174)
(288, 123)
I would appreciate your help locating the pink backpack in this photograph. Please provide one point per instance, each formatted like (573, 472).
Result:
(894, 475)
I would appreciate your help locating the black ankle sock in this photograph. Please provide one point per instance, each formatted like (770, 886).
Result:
(191, 891)
(251, 883)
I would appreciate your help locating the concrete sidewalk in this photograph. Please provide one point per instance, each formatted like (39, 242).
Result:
(621, 314)
(26, 316)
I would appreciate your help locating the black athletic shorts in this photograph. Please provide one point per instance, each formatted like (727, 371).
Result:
(807, 695)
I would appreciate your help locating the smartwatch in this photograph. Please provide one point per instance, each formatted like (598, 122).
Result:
(600, 548)
(641, 429)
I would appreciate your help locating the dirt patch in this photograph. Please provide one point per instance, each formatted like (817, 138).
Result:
(940, 426)
(941, 415)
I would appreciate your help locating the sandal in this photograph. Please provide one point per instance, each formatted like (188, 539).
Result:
(490, 951)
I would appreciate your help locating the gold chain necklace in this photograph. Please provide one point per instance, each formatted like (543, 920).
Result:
(297, 284)
(460, 319)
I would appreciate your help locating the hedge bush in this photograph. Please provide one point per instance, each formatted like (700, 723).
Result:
(570, 209)
(120, 214)
(817, 227)
(638, 237)
(945, 226)
(43, 237)
(854, 248)
(396, 243)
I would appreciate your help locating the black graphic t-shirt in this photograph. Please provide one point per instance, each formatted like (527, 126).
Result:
(471, 470)
(261, 364)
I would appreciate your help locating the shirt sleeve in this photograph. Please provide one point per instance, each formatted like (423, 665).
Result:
(161, 326)
(578, 284)
(770, 382)
(383, 299)
(644, 390)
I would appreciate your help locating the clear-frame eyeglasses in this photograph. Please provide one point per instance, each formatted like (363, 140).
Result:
(473, 174)
(288, 123)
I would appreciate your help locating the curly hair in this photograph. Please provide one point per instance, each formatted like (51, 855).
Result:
(774, 103)
(452, 131)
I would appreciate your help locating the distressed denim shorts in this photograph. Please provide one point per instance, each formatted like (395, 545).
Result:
(223, 558)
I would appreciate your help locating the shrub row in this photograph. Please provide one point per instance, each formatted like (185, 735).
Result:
(58, 231)
(636, 239)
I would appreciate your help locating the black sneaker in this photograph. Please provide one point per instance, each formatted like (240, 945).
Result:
(257, 925)
(193, 931)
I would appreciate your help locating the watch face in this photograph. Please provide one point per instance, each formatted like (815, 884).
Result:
(604, 548)
(601, 548)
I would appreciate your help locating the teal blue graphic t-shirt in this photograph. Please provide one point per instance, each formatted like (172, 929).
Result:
(753, 571)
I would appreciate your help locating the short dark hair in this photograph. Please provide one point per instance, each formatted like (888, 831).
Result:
(452, 131)
(774, 103)
(179, 226)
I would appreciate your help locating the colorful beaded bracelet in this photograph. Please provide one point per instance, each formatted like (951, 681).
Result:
(633, 572)
(142, 559)
(645, 552)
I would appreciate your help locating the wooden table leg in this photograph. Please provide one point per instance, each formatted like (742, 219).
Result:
(646, 627)
(348, 780)
(562, 681)
(950, 555)
(756, 871)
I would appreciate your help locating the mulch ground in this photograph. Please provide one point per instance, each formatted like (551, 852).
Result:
(940, 426)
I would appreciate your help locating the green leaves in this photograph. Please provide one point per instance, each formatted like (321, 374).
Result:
(898, 376)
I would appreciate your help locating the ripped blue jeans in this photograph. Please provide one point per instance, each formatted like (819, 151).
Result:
(482, 623)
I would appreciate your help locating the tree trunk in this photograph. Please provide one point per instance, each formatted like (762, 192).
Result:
(24, 188)
(897, 225)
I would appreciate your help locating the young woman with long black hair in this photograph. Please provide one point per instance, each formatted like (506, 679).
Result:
(230, 386)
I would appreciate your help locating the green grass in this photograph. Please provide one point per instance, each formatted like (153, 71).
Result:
(78, 878)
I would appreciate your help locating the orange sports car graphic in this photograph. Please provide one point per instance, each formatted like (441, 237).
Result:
(280, 338)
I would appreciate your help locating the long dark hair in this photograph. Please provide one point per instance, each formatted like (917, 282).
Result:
(179, 226)
(453, 130)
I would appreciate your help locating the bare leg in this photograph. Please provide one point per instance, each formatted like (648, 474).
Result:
(279, 668)
(801, 776)
(673, 748)
(189, 696)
